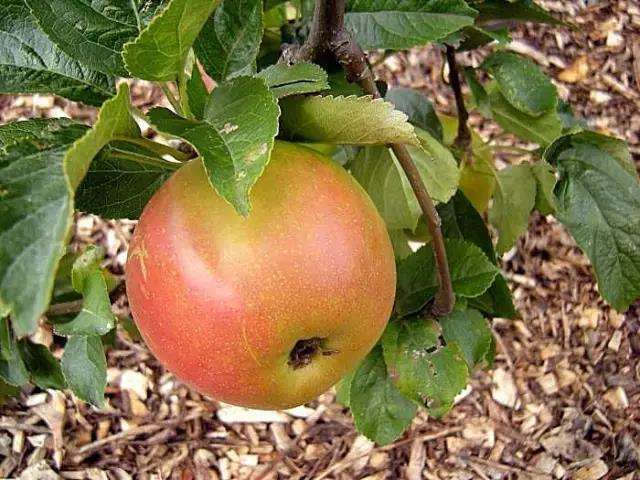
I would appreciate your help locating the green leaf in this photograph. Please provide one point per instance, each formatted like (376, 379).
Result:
(400, 243)
(229, 41)
(43, 367)
(343, 389)
(480, 96)
(380, 411)
(85, 368)
(419, 110)
(401, 25)
(437, 165)
(470, 331)
(362, 121)
(159, 52)
(422, 369)
(285, 80)
(16, 132)
(91, 32)
(31, 63)
(461, 220)
(477, 177)
(7, 392)
(114, 121)
(514, 198)
(545, 183)
(12, 368)
(378, 171)
(197, 92)
(497, 301)
(542, 130)
(33, 234)
(599, 202)
(522, 83)
(471, 275)
(474, 37)
(116, 187)
(518, 10)
(615, 147)
(96, 317)
(235, 148)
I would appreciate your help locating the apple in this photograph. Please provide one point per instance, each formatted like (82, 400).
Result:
(271, 310)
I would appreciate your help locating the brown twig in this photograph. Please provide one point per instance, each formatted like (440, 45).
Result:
(328, 36)
(463, 139)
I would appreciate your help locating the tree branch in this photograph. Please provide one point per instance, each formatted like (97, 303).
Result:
(463, 139)
(328, 36)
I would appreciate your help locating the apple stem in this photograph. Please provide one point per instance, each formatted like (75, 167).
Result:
(328, 42)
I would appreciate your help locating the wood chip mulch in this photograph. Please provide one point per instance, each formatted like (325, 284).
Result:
(561, 401)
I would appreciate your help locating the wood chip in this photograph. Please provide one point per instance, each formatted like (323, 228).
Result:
(135, 382)
(232, 414)
(548, 383)
(417, 459)
(593, 471)
(504, 390)
(617, 398)
(480, 432)
(576, 72)
(39, 471)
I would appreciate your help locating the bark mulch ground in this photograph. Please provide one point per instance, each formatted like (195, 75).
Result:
(561, 401)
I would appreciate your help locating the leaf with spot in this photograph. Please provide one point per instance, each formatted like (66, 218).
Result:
(380, 411)
(599, 203)
(38, 179)
(229, 41)
(160, 51)
(472, 273)
(421, 368)
(285, 80)
(344, 120)
(234, 142)
(513, 201)
(31, 63)
(85, 368)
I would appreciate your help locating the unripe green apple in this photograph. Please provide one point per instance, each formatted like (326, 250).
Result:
(266, 311)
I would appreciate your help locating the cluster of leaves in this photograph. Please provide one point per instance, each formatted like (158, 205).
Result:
(50, 168)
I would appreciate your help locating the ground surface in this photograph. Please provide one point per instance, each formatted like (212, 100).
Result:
(562, 400)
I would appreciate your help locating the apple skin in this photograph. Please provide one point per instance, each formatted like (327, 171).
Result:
(222, 300)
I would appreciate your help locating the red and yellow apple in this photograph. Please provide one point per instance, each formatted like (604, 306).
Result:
(266, 311)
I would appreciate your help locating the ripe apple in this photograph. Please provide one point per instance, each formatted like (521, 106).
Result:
(266, 311)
